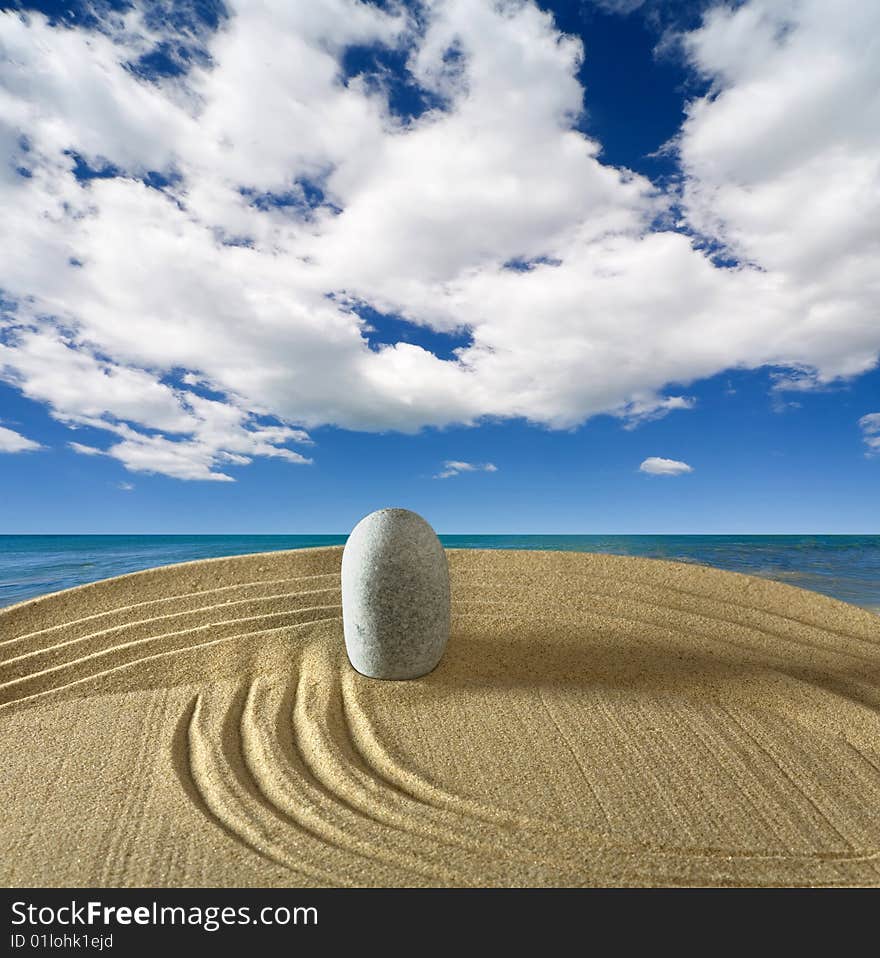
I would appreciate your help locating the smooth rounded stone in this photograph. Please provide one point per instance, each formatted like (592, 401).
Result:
(395, 596)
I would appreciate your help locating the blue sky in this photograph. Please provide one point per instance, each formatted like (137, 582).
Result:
(271, 298)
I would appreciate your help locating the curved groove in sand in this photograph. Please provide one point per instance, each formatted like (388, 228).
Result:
(180, 634)
(362, 817)
(224, 791)
(146, 659)
(413, 784)
(745, 581)
(105, 644)
(130, 622)
(283, 783)
(274, 753)
(324, 740)
(702, 614)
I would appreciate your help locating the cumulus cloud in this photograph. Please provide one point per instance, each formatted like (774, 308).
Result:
(12, 441)
(782, 166)
(198, 457)
(657, 466)
(198, 301)
(454, 467)
(85, 450)
(83, 390)
(870, 426)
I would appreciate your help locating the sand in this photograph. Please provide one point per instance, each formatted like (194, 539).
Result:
(596, 720)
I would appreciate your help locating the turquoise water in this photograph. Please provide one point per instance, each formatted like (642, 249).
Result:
(845, 567)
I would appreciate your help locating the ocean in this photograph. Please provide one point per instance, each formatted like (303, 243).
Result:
(845, 567)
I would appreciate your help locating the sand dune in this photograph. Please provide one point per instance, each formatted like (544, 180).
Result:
(595, 720)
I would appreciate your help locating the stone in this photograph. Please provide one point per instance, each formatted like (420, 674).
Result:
(395, 596)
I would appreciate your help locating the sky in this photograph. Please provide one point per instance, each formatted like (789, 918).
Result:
(605, 266)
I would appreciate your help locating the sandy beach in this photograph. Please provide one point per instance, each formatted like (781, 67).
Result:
(596, 720)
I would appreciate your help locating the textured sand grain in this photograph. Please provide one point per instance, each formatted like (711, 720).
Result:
(595, 720)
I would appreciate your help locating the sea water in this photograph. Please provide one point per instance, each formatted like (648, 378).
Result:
(845, 567)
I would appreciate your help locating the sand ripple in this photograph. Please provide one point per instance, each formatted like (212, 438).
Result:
(596, 720)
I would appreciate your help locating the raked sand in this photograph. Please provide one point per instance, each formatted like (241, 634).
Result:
(596, 720)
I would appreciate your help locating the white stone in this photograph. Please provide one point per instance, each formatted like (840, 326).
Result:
(395, 596)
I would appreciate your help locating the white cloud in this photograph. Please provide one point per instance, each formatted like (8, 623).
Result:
(12, 441)
(640, 410)
(657, 466)
(454, 467)
(783, 164)
(119, 287)
(198, 457)
(125, 486)
(870, 426)
(82, 390)
(85, 450)
(619, 6)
